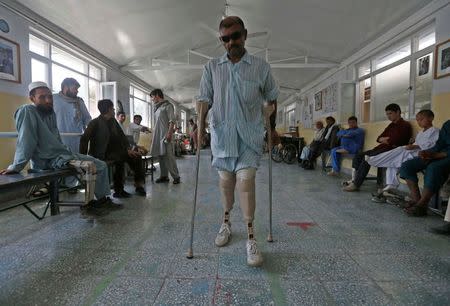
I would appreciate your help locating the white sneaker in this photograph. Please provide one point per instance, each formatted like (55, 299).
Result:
(254, 257)
(224, 234)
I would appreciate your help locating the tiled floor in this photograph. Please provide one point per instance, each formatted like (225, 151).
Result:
(330, 248)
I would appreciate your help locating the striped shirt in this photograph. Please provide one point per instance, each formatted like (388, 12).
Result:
(236, 94)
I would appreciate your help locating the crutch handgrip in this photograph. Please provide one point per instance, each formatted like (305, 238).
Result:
(201, 108)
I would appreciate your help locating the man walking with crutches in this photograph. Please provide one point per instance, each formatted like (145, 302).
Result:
(236, 86)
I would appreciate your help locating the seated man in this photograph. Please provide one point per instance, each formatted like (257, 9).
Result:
(39, 141)
(393, 159)
(135, 128)
(352, 141)
(106, 141)
(328, 142)
(317, 140)
(436, 163)
(397, 133)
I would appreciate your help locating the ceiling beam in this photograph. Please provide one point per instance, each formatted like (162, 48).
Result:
(194, 67)
(200, 54)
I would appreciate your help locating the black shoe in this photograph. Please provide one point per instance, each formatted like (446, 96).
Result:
(442, 230)
(176, 181)
(109, 204)
(163, 179)
(141, 191)
(94, 208)
(122, 194)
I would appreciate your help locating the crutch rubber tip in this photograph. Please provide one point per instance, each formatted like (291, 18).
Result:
(269, 238)
(190, 255)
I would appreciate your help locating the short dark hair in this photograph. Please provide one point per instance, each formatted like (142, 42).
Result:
(120, 113)
(353, 118)
(230, 21)
(157, 93)
(104, 106)
(330, 118)
(137, 116)
(393, 107)
(69, 82)
(427, 113)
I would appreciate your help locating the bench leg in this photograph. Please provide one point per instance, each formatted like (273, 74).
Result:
(53, 191)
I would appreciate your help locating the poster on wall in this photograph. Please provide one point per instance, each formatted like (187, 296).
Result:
(424, 65)
(318, 101)
(306, 115)
(330, 99)
(9, 60)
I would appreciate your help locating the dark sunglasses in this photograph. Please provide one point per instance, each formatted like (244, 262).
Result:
(234, 36)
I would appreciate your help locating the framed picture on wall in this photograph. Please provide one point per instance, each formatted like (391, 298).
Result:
(442, 60)
(318, 101)
(9, 60)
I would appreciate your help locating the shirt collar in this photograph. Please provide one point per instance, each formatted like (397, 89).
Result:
(246, 58)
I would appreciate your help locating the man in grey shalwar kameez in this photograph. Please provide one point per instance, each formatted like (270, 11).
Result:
(40, 142)
(162, 137)
(72, 115)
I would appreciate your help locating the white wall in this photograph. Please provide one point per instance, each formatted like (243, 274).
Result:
(19, 34)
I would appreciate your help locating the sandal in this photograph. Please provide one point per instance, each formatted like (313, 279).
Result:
(40, 192)
(407, 204)
(416, 211)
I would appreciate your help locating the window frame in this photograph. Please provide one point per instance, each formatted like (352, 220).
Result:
(69, 50)
(412, 58)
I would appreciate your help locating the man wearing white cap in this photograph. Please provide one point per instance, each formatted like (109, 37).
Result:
(39, 141)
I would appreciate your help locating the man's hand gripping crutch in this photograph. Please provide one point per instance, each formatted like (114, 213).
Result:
(202, 109)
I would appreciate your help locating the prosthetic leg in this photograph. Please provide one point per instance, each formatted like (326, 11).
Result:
(202, 108)
(88, 171)
(227, 182)
(245, 184)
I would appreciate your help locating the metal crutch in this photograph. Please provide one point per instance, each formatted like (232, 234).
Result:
(201, 110)
(267, 112)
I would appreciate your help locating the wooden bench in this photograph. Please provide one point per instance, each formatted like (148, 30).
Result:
(53, 177)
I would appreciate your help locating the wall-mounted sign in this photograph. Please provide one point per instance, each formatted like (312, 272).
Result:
(4, 27)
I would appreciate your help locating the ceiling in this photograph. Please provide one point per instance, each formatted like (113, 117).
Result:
(148, 38)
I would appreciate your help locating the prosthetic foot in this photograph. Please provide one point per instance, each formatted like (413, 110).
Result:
(254, 257)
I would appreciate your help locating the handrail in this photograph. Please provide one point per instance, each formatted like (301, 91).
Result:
(14, 134)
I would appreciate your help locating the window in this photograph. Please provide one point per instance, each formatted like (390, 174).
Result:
(290, 115)
(140, 104)
(400, 74)
(39, 71)
(52, 63)
(393, 55)
(392, 86)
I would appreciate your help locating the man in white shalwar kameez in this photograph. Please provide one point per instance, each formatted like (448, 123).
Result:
(393, 159)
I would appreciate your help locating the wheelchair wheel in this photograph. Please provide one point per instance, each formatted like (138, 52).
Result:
(277, 154)
(289, 154)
